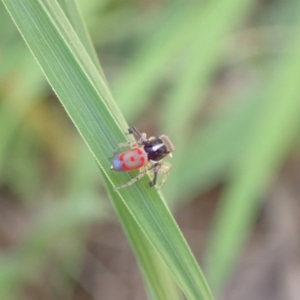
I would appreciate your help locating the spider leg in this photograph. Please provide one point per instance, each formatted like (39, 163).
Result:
(164, 169)
(156, 168)
(143, 172)
(141, 137)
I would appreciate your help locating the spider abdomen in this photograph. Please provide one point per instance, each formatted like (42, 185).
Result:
(130, 160)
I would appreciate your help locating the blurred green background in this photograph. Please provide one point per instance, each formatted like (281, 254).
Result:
(222, 81)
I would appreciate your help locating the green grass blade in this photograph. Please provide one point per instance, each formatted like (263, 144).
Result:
(203, 54)
(159, 282)
(84, 95)
(275, 132)
(145, 72)
(73, 14)
(217, 21)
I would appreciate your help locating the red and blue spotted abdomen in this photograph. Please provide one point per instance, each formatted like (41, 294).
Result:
(130, 160)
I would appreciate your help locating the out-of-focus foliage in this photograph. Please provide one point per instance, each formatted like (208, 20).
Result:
(86, 98)
(220, 78)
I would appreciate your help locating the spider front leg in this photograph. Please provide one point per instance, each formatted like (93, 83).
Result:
(141, 137)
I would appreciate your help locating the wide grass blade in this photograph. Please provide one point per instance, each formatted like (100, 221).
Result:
(159, 282)
(85, 95)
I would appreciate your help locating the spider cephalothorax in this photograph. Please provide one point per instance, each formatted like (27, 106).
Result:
(146, 155)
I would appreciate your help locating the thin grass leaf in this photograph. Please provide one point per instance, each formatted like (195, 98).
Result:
(145, 72)
(82, 91)
(275, 131)
(216, 22)
(204, 52)
(228, 131)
